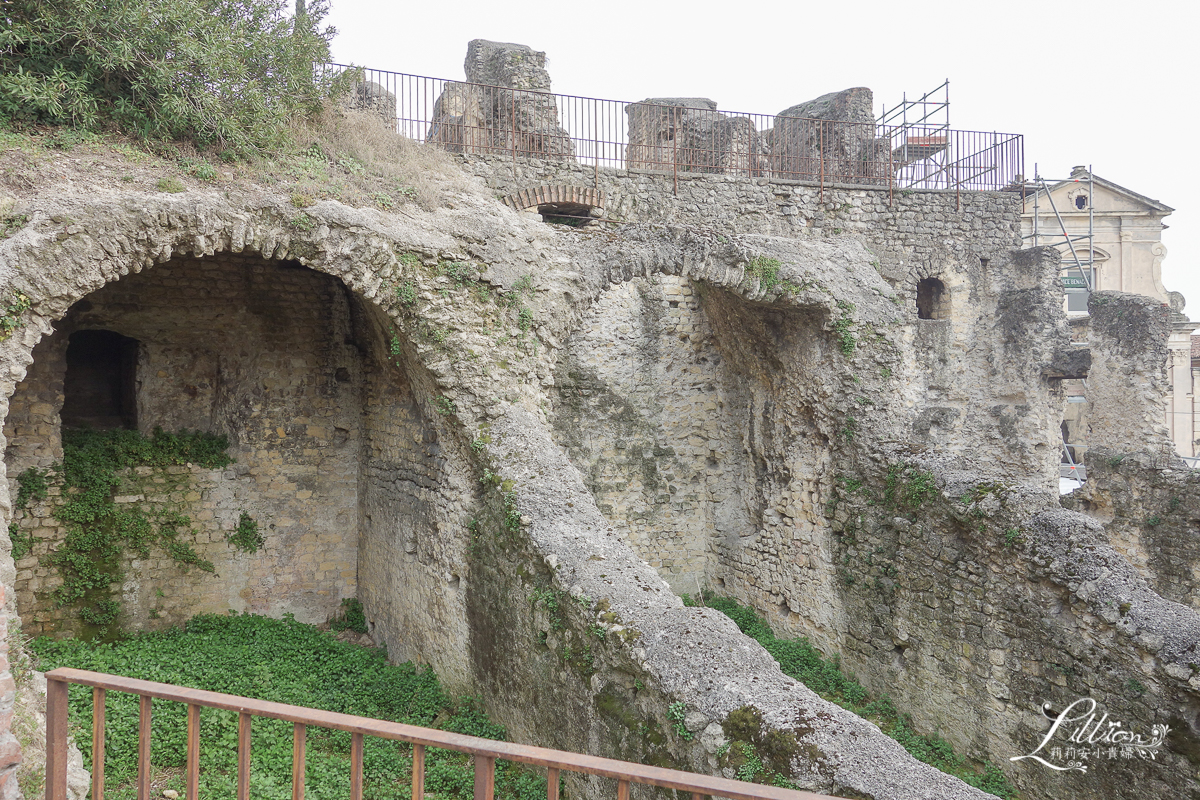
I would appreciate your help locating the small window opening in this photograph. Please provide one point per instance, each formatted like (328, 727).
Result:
(99, 390)
(576, 215)
(931, 299)
(1081, 202)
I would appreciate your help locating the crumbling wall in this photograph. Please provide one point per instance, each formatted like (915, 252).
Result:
(937, 621)
(831, 138)
(643, 413)
(689, 134)
(1146, 497)
(417, 497)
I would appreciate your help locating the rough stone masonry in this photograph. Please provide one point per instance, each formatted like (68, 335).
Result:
(518, 443)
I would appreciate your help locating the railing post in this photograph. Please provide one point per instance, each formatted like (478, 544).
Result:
(891, 171)
(243, 777)
(356, 766)
(98, 708)
(143, 776)
(298, 740)
(418, 772)
(192, 765)
(485, 777)
(821, 154)
(675, 148)
(56, 739)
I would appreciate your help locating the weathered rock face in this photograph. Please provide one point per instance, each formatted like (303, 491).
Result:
(515, 66)
(1147, 498)
(538, 413)
(1129, 353)
(503, 107)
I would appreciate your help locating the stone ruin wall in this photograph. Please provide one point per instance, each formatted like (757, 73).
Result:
(1148, 500)
(922, 602)
(884, 601)
(622, 683)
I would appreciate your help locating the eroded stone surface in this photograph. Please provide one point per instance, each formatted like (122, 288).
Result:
(800, 391)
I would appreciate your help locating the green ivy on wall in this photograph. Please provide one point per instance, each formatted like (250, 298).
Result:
(99, 532)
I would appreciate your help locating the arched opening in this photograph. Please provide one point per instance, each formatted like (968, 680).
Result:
(932, 299)
(576, 215)
(99, 386)
(335, 457)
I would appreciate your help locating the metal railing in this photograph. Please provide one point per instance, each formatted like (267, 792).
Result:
(484, 751)
(688, 137)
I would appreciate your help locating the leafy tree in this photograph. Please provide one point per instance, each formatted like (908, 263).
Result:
(223, 73)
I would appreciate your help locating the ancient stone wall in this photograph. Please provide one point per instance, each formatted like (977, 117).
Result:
(905, 226)
(231, 345)
(852, 428)
(1148, 500)
(416, 499)
(504, 106)
(643, 417)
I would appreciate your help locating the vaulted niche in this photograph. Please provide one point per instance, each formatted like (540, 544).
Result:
(99, 388)
(337, 465)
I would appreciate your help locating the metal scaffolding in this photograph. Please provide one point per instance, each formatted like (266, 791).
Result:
(919, 135)
(1078, 269)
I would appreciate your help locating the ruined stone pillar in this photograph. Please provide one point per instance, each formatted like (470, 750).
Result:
(831, 138)
(505, 106)
(1127, 382)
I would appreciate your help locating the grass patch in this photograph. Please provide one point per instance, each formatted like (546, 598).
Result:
(766, 270)
(799, 659)
(350, 156)
(287, 662)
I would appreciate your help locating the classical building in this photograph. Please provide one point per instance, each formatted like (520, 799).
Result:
(1195, 397)
(1111, 239)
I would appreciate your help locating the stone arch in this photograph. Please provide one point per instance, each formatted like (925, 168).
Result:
(560, 199)
(402, 447)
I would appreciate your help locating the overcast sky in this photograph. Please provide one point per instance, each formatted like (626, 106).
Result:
(1104, 83)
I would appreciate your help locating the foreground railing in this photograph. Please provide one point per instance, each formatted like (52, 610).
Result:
(690, 137)
(485, 751)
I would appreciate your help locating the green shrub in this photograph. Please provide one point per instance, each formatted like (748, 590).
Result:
(246, 536)
(351, 617)
(229, 73)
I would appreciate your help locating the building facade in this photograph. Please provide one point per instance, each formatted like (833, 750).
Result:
(1111, 239)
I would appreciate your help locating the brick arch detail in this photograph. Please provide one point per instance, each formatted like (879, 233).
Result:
(531, 198)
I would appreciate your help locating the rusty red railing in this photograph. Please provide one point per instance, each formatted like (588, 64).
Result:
(484, 751)
(688, 137)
